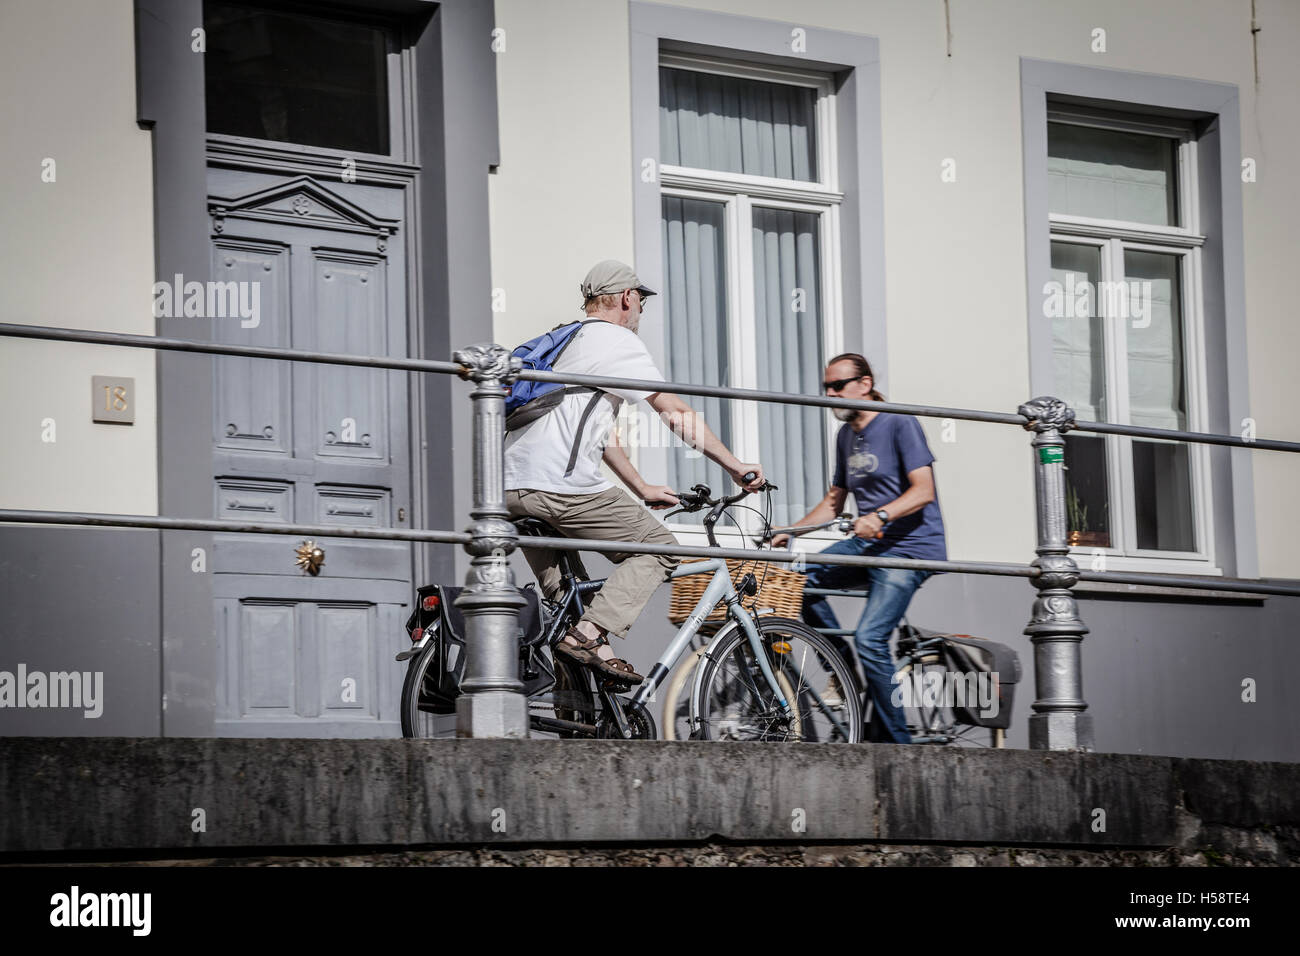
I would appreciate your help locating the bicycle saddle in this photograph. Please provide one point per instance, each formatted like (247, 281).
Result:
(535, 527)
(570, 564)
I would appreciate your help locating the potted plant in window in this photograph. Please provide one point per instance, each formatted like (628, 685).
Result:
(1080, 535)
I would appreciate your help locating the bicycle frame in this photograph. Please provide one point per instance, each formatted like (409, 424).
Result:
(720, 590)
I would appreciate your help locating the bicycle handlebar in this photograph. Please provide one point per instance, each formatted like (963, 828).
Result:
(701, 496)
(843, 524)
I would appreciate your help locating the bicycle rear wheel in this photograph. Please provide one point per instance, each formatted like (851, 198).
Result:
(929, 718)
(569, 699)
(737, 701)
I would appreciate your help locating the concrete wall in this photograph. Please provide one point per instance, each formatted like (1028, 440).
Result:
(76, 252)
(72, 795)
(561, 198)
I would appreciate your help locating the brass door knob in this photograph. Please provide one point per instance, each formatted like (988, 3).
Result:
(310, 557)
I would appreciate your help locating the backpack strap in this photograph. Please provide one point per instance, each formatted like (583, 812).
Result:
(542, 405)
(582, 424)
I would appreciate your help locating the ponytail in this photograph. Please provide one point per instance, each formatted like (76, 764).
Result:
(863, 368)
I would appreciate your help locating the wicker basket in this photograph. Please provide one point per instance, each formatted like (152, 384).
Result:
(779, 588)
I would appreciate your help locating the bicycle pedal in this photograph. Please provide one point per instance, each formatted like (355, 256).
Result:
(615, 686)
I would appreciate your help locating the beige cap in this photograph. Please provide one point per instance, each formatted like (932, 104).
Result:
(609, 276)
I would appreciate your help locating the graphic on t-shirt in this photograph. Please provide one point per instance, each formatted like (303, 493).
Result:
(862, 463)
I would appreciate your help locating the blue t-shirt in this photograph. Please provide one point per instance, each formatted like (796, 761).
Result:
(873, 465)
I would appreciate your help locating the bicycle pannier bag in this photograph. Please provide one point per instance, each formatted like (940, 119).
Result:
(972, 658)
(442, 679)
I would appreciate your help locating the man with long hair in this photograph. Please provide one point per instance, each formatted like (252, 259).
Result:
(883, 459)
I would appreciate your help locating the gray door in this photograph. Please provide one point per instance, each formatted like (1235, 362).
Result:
(304, 655)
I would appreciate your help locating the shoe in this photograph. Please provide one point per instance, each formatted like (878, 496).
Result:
(833, 695)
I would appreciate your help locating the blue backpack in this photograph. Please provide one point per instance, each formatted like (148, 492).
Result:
(529, 400)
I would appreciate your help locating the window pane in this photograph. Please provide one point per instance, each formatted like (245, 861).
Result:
(695, 334)
(1158, 398)
(1107, 174)
(788, 340)
(1157, 392)
(1078, 343)
(736, 125)
(1087, 492)
(296, 79)
(1163, 491)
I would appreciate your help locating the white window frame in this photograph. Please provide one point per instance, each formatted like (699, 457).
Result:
(739, 194)
(1112, 238)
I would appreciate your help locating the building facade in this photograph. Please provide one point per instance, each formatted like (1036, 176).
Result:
(990, 201)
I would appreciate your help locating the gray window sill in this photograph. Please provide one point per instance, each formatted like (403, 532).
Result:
(1110, 590)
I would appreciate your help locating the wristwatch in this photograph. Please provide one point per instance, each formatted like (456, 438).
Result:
(883, 515)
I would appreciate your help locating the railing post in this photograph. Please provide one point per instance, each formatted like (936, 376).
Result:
(492, 702)
(1058, 721)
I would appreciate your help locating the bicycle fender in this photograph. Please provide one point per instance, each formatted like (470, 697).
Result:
(697, 679)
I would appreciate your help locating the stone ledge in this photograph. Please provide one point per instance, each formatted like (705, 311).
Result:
(76, 794)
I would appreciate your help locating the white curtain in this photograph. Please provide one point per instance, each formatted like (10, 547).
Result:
(736, 125)
(1078, 348)
(788, 338)
(1109, 174)
(695, 305)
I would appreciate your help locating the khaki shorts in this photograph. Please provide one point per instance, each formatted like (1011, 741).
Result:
(609, 515)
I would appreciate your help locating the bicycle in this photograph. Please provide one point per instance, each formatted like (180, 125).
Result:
(764, 676)
(677, 726)
(925, 675)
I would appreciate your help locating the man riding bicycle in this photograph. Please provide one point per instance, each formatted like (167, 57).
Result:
(552, 467)
(883, 459)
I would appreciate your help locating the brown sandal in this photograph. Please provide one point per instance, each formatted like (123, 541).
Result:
(618, 669)
(584, 652)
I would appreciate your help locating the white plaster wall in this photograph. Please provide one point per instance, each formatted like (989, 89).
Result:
(77, 253)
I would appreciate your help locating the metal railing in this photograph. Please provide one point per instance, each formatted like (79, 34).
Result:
(492, 702)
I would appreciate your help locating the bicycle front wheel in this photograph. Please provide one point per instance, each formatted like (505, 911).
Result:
(737, 701)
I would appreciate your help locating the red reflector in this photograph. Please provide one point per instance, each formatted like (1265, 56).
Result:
(416, 635)
(431, 602)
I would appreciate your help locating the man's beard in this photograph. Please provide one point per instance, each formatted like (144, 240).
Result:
(845, 414)
(633, 322)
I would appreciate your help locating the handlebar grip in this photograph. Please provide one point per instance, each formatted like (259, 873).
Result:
(749, 476)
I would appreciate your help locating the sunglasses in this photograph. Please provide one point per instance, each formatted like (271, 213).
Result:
(838, 386)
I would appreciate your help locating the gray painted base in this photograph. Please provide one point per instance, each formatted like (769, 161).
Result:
(85, 600)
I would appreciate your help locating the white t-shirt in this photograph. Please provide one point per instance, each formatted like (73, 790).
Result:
(541, 454)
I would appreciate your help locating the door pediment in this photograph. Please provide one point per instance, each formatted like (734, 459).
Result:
(301, 201)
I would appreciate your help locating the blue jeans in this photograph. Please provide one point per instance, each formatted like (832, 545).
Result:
(891, 590)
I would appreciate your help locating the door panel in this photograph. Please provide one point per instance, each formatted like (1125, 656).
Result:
(305, 655)
(348, 294)
(253, 407)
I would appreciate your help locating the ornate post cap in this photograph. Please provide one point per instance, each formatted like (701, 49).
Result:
(1046, 413)
(488, 360)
